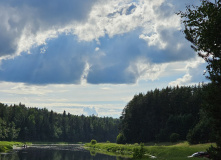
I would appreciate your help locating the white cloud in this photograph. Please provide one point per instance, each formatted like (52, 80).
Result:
(89, 111)
(118, 17)
(185, 80)
(145, 70)
(194, 73)
(97, 49)
(22, 89)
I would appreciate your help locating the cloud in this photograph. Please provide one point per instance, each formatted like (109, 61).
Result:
(194, 74)
(180, 5)
(119, 51)
(64, 60)
(73, 42)
(168, 45)
(58, 64)
(127, 54)
(29, 18)
(89, 111)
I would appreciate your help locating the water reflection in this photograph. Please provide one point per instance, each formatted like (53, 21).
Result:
(55, 152)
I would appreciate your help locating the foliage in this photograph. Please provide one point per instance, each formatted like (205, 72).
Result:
(214, 152)
(139, 152)
(121, 139)
(202, 28)
(174, 137)
(156, 115)
(93, 142)
(212, 108)
(18, 122)
(202, 132)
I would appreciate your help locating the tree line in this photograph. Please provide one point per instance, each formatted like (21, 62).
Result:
(162, 115)
(18, 122)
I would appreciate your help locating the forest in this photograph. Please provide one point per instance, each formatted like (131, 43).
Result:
(18, 122)
(170, 114)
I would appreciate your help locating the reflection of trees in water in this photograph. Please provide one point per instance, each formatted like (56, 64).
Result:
(120, 158)
(93, 153)
(10, 156)
(56, 154)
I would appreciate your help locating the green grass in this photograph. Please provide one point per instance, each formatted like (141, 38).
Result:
(6, 146)
(163, 151)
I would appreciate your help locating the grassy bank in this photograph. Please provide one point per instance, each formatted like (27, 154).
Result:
(6, 146)
(165, 151)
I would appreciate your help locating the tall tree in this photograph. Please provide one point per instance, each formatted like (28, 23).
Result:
(202, 28)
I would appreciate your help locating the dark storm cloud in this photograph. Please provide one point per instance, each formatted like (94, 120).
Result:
(177, 48)
(65, 58)
(119, 51)
(36, 15)
(123, 49)
(7, 42)
(63, 62)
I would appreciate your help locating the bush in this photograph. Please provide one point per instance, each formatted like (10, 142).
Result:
(93, 142)
(201, 133)
(174, 137)
(121, 139)
(139, 152)
(214, 153)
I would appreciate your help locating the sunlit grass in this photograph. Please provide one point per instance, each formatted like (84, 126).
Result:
(163, 151)
(7, 146)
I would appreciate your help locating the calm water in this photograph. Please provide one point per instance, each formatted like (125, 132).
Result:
(55, 152)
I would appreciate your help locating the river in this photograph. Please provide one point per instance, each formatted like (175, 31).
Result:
(55, 152)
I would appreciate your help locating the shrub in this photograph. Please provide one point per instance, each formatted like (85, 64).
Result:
(2, 149)
(121, 139)
(174, 137)
(201, 133)
(93, 142)
(139, 152)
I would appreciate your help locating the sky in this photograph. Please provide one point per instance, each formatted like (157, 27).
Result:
(91, 57)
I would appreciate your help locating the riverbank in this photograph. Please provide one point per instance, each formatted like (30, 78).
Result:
(165, 151)
(6, 146)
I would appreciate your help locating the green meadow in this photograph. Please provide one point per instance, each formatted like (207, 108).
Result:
(162, 151)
